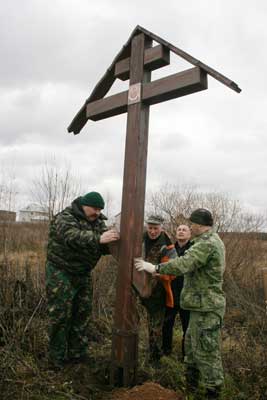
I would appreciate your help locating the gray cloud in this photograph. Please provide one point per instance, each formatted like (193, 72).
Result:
(51, 58)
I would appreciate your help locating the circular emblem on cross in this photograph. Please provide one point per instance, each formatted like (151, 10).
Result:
(134, 93)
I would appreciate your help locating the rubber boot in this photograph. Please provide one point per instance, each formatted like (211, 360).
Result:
(213, 393)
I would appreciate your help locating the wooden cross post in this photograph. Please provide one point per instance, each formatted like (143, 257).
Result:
(135, 62)
(125, 332)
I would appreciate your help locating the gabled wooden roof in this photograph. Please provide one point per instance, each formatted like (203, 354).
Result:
(108, 79)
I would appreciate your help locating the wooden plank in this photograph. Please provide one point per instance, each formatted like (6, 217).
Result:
(177, 85)
(124, 341)
(155, 57)
(107, 107)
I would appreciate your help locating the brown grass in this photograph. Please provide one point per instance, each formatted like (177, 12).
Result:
(23, 323)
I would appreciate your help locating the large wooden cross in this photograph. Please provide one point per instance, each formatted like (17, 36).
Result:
(135, 62)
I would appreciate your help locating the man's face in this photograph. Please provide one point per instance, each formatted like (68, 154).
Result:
(153, 230)
(196, 229)
(183, 233)
(92, 213)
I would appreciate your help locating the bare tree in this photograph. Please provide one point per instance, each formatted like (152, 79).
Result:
(7, 189)
(7, 203)
(55, 187)
(108, 204)
(238, 228)
(176, 203)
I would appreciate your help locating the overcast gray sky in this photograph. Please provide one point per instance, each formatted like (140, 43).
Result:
(53, 54)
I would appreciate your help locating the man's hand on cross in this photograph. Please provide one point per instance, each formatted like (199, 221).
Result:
(109, 236)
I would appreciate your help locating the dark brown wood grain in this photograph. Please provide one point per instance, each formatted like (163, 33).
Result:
(105, 83)
(107, 107)
(176, 85)
(171, 87)
(155, 57)
(125, 336)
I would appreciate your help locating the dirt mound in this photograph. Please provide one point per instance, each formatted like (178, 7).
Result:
(148, 391)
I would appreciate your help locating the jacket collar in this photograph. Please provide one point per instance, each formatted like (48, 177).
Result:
(204, 235)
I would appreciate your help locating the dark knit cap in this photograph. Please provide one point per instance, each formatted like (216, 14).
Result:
(92, 199)
(201, 216)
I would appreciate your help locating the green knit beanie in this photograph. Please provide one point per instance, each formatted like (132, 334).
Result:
(92, 199)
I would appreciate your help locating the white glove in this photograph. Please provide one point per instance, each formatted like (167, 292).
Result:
(142, 265)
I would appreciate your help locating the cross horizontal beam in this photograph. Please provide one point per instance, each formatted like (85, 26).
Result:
(177, 85)
(154, 58)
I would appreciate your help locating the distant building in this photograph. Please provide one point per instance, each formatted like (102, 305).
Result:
(33, 213)
(7, 216)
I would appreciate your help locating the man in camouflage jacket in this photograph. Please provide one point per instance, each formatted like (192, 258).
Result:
(77, 238)
(157, 248)
(203, 267)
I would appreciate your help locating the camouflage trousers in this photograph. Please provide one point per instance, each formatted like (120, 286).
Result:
(202, 349)
(155, 322)
(69, 300)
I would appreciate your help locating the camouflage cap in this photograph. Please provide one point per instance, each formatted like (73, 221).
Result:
(154, 220)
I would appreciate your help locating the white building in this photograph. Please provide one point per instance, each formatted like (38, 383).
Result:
(32, 213)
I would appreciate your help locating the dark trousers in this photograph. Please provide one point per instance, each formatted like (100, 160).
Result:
(168, 324)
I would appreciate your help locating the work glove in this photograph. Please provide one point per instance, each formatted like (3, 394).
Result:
(142, 265)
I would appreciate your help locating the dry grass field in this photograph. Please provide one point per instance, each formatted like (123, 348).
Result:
(24, 372)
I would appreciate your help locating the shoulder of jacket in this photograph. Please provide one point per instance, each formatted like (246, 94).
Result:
(67, 215)
(66, 212)
(205, 237)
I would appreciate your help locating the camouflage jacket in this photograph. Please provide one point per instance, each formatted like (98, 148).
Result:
(73, 242)
(202, 266)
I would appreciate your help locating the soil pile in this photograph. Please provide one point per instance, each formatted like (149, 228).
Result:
(148, 391)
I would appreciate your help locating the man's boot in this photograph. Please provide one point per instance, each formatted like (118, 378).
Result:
(213, 393)
(192, 377)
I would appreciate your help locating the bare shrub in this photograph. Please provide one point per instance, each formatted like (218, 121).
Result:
(23, 319)
(55, 187)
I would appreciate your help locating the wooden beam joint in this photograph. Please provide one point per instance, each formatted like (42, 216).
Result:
(154, 58)
(177, 85)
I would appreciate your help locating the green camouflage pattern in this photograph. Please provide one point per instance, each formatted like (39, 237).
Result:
(203, 266)
(155, 304)
(69, 301)
(73, 251)
(202, 349)
(73, 242)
